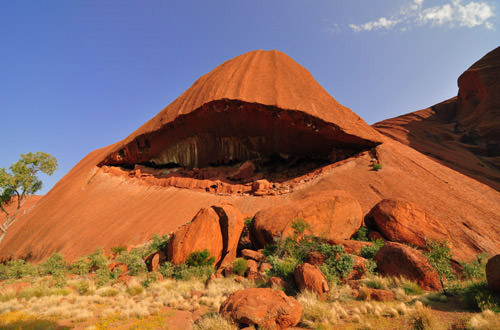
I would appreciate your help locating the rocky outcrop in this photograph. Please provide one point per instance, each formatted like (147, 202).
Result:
(266, 308)
(404, 222)
(222, 225)
(154, 260)
(309, 277)
(493, 273)
(328, 214)
(395, 259)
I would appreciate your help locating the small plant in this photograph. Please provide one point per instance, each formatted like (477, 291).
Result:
(97, 260)
(421, 318)
(167, 269)
(158, 243)
(376, 167)
(240, 266)
(369, 252)
(80, 266)
(478, 296)
(150, 279)
(83, 287)
(476, 269)
(19, 268)
(439, 256)
(213, 321)
(200, 258)
(135, 290)
(362, 234)
(133, 261)
(117, 250)
(184, 272)
(103, 276)
(299, 226)
(412, 288)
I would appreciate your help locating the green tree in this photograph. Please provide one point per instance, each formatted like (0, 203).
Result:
(21, 182)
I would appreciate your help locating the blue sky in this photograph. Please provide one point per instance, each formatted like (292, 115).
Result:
(80, 75)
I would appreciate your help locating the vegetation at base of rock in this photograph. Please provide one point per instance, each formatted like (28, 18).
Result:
(200, 258)
(134, 262)
(369, 252)
(377, 166)
(477, 295)
(476, 269)
(118, 249)
(158, 243)
(362, 234)
(240, 266)
(439, 256)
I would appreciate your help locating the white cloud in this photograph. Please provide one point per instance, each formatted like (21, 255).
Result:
(453, 13)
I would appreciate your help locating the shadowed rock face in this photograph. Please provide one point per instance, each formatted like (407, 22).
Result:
(226, 133)
(462, 132)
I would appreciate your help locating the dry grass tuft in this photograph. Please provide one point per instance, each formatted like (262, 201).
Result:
(213, 321)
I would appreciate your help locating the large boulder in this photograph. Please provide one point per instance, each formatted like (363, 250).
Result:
(395, 259)
(493, 273)
(220, 225)
(404, 222)
(264, 307)
(329, 214)
(309, 277)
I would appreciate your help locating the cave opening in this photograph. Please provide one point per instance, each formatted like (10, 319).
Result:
(239, 142)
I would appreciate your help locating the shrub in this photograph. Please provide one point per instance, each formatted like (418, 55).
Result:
(421, 318)
(167, 269)
(97, 260)
(19, 268)
(377, 166)
(133, 261)
(184, 272)
(158, 243)
(369, 252)
(299, 226)
(150, 279)
(108, 292)
(82, 287)
(240, 266)
(439, 256)
(478, 296)
(283, 268)
(135, 290)
(412, 288)
(213, 321)
(200, 258)
(103, 276)
(54, 265)
(476, 269)
(117, 250)
(80, 266)
(362, 234)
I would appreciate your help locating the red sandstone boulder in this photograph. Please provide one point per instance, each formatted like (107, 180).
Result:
(261, 187)
(277, 282)
(329, 214)
(154, 260)
(395, 259)
(221, 224)
(404, 222)
(315, 258)
(264, 307)
(380, 294)
(309, 277)
(251, 254)
(493, 273)
(118, 265)
(252, 265)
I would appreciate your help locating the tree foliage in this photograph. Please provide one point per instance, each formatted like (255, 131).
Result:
(20, 181)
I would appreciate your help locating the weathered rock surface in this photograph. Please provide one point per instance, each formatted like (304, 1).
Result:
(315, 258)
(222, 225)
(493, 273)
(404, 222)
(351, 246)
(154, 260)
(253, 95)
(309, 277)
(266, 308)
(252, 254)
(395, 259)
(380, 294)
(329, 214)
(462, 132)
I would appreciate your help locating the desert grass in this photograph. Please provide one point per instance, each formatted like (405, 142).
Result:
(213, 321)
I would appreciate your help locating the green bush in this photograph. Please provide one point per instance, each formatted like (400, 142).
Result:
(283, 267)
(369, 252)
(377, 166)
(158, 243)
(200, 258)
(80, 266)
(240, 266)
(133, 261)
(476, 269)
(184, 272)
(167, 269)
(299, 226)
(150, 279)
(478, 296)
(362, 234)
(103, 276)
(412, 288)
(82, 287)
(439, 256)
(97, 260)
(117, 250)
(54, 265)
(19, 268)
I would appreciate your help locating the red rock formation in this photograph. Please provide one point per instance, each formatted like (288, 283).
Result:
(309, 277)
(404, 222)
(462, 132)
(395, 259)
(216, 229)
(493, 273)
(328, 214)
(266, 308)
(100, 205)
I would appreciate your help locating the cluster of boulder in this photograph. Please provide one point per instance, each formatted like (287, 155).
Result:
(334, 216)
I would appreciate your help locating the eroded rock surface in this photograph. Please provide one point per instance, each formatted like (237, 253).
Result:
(328, 214)
(264, 307)
(493, 273)
(395, 259)
(309, 277)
